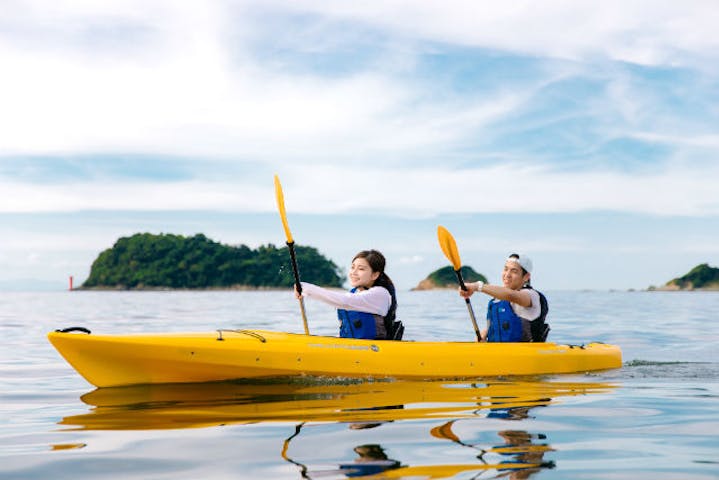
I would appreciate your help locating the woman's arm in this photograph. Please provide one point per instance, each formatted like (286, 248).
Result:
(376, 300)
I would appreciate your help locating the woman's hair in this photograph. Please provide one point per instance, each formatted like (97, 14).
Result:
(377, 263)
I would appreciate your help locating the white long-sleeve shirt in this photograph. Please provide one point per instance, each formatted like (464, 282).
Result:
(375, 300)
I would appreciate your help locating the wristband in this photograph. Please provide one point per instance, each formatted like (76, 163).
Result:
(480, 285)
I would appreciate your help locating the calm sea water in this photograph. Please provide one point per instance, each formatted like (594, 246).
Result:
(657, 417)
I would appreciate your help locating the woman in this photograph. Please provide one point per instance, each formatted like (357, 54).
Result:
(368, 309)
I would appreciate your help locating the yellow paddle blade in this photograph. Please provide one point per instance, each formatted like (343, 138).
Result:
(445, 431)
(449, 247)
(281, 206)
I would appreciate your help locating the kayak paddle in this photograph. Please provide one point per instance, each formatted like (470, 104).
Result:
(449, 248)
(291, 247)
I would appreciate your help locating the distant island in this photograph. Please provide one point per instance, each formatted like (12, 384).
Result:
(701, 277)
(149, 261)
(446, 278)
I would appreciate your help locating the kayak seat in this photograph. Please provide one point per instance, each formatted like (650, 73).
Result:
(396, 331)
(541, 335)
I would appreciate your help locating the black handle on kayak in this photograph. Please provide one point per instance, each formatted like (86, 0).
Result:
(73, 329)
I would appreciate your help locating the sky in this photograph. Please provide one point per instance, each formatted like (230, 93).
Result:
(583, 134)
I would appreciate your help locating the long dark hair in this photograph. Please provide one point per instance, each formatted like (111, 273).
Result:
(377, 263)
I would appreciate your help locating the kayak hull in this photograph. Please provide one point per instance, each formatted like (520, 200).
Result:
(117, 360)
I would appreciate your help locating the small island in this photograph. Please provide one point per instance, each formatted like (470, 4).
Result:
(446, 278)
(701, 277)
(167, 261)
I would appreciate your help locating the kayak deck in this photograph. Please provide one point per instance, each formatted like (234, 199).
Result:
(115, 360)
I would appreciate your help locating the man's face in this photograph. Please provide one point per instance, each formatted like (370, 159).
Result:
(512, 276)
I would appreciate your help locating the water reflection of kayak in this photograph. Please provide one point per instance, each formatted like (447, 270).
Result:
(427, 472)
(360, 403)
(521, 457)
(312, 402)
(116, 360)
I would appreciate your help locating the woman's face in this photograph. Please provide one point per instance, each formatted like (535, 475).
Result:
(512, 276)
(361, 274)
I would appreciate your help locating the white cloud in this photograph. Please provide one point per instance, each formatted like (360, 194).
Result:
(514, 188)
(190, 85)
(27, 198)
(708, 141)
(424, 191)
(71, 107)
(411, 260)
(641, 31)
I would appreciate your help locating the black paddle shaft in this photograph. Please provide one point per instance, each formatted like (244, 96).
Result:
(295, 269)
(460, 280)
(469, 305)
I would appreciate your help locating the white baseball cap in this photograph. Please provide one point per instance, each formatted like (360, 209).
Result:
(524, 261)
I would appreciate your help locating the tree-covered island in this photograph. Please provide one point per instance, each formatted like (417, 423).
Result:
(446, 278)
(701, 277)
(155, 261)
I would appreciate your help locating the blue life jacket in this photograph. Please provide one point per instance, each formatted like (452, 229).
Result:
(354, 324)
(507, 326)
(504, 324)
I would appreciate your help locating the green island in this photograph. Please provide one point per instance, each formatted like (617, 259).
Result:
(167, 261)
(446, 278)
(701, 277)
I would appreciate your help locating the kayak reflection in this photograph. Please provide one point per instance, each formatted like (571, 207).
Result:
(361, 405)
(523, 455)
(521, 459)
(371, 460)
(200, 405)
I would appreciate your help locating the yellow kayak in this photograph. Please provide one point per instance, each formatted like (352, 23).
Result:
(116, 360)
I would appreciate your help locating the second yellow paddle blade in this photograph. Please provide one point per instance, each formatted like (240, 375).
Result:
(281, 206)
(449, 247)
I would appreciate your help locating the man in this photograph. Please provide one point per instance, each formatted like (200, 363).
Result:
(517, 312)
